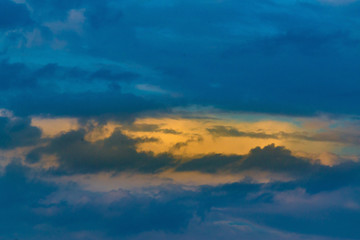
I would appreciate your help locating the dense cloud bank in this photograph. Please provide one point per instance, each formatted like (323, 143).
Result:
(307, 204)
(298, 58)
(118, 153)
(324, 204)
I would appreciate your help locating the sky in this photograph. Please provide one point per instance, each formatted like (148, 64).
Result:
(179, 119)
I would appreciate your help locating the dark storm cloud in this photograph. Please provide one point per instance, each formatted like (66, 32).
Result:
(17, 133)
(117, 153)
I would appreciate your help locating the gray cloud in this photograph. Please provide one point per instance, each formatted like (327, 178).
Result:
(339, 136)
(179, 145)
(116, 153)
(224, 131)
(151, 128)
(270, 158)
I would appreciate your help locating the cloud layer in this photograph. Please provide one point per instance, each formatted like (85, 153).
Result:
(179, 119)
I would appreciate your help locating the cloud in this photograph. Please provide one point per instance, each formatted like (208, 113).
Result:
(192, 139)
(71, 92)
(34, 209)
(345, 136)
(209, 164)
(13, 15)
(276, 209)
(270, 158)
(55, 71)
(117, 153)
(108, 75)
(223, 131)
(303, 47)
(87, 104)
(17, 132)
(74, 22)
(287, 208)
(22, 196)
(50, 9)
(103, 74)
(16, 76)
(151, 128)
(295, 58)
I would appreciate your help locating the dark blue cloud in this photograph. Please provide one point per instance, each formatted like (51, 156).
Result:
(22, 196)
(17, 133)
(108, 75)
(112, 104)
(16, 75)
(56, 72)
(13, 15)
(34, 209)
(289, 208)
(264, 56)
(48, 90)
